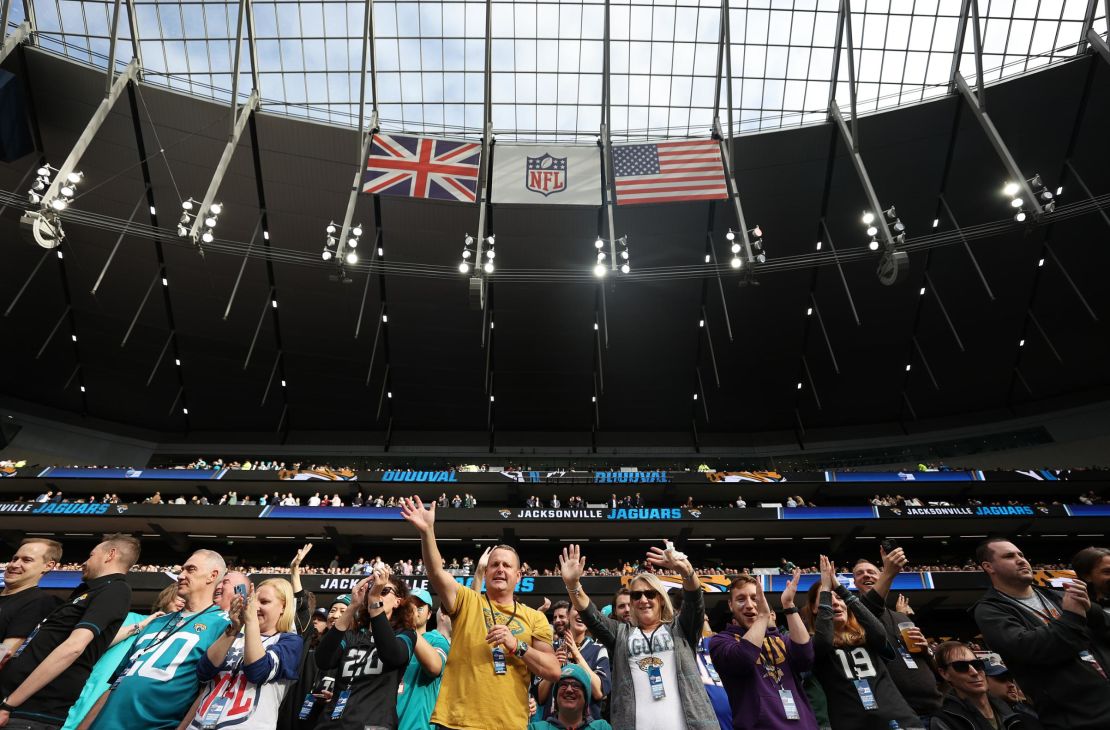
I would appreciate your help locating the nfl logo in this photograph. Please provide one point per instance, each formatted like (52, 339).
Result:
(546, 174)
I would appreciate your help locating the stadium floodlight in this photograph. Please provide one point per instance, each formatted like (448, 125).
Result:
(357, 230)
(187, 204)
(352, 258)
(874, 244)
(872, 231)
(736, 263)
(488, 268)
(207, 237)
(215, 209)
(464, 268)
(331, 229)
(819, 244)
(1020, 216)
(731, 235)
(326, 255)
(868, 218)
(1011, 189)
(1041, 195)
(598, 244)
(936, 222)
(626, 264)
(600, 270)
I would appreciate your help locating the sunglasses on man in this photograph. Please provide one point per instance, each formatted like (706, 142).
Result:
(649, 594)
(963, 666)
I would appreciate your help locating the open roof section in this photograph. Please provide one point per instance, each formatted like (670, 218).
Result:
(546, 57)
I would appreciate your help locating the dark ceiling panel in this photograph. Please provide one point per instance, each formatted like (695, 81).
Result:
(543, 352)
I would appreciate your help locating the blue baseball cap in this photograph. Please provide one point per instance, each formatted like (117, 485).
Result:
(607, 611)
(995, 670)
(574, 673)
(423, 595)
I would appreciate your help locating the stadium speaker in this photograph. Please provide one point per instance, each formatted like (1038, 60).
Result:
(477, 292)
(15, 135)
(893, 267)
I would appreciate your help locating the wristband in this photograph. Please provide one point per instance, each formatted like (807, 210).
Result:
(577, 590)
(5, 707)
(789, 611)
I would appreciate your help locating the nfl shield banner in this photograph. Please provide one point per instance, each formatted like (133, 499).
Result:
(546, 175)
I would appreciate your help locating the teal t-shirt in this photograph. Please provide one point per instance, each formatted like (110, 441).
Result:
(158, 678)
(101, 676)
(416, 697)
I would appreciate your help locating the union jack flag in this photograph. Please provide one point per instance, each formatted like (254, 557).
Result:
(422, 167)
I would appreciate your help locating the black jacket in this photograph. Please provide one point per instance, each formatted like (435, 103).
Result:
(955, 714)
(1067, 692)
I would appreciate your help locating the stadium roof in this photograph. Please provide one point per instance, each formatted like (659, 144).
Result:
(547, 57)
(1037, 338)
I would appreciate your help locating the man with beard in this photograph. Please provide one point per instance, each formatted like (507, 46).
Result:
(1002, 686)
(1044, 638)
(622, 605)
(909, 669)
(22, 603)
(157, 683)
(49, 669)
(757, 665)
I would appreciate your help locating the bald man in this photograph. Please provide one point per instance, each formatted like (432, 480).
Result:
(150, 692)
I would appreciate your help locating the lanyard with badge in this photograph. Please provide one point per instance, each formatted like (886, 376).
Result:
(863, 689)
(170, 628)
(345, 695)
(775, 674)
(652, 665)
(499, 666)
(216, 708)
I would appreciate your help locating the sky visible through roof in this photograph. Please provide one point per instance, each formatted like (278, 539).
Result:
(547, 58)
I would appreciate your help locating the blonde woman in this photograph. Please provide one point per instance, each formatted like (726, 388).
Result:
(249, 669)
(850, 649)
(656, 681)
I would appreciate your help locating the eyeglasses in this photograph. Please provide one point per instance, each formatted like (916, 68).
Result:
(649, 594)
(963, 666)
(388, 590)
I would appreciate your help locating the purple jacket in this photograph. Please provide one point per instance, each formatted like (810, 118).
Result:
(753, 693)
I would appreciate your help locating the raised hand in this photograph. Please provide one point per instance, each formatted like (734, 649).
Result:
(791, 589)
(1076, 599)
(762, 608)
(380, 578)
(250, 608)
(828, 574)
(902, 605)
(545, 605)
(413, 510)
(295, 563)
(483, 560)
(235, 613)
(669, 559)
(358, 595)
(572, 565)
(894, 561)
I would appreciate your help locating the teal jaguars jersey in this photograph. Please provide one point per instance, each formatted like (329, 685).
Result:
(157, 682)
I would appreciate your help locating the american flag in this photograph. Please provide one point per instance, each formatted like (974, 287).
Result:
(422, 167)
(667, 172)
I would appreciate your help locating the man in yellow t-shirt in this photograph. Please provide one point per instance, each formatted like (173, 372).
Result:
(497, 643)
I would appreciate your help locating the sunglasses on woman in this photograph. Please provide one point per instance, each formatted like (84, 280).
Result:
(388, 590)
(649, 594)
(963, 666)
